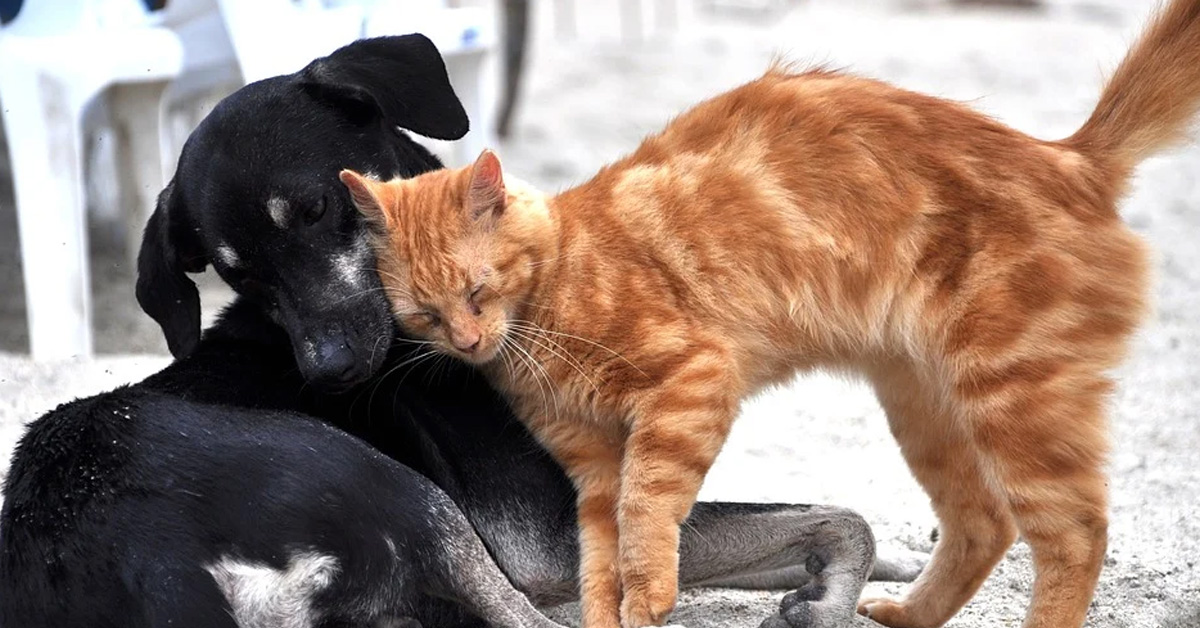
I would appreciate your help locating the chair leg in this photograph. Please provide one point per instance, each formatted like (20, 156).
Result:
(632, 22)
(44, 143)
(138, 112)
(516, 41)
(666, 16)
(565, 23)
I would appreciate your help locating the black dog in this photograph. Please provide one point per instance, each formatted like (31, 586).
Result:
(208, 495)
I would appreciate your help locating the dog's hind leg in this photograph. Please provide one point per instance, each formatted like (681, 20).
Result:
(824, 552)
(461, 569)
(761, 527)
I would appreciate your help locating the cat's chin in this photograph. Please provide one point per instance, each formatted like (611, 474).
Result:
(480, 357)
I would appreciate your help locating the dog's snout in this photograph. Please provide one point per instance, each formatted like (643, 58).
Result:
(335, 358)
(332, 361)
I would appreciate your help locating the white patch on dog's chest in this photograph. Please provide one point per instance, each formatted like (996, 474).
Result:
(260, 595)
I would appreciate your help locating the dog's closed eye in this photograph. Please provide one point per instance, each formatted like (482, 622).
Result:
(314, 212)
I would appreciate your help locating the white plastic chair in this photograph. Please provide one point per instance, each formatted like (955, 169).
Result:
(467, 38)
(272, 37)
(208, 56)
(210, 71)
(57, 57)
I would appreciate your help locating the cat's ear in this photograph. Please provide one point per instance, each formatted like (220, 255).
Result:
(365, 192)
(485, 195)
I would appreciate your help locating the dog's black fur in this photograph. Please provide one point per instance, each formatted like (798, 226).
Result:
(289, 469)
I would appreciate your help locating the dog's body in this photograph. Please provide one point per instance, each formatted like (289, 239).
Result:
(166, 503)
(209, 495)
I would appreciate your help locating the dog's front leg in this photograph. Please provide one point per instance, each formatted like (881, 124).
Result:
(825, 553)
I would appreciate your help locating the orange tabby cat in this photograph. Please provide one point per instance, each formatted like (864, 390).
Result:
(979, 278)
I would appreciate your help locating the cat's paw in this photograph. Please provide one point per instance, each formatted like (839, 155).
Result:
(886, 611)
(801, 609)
(644, 606)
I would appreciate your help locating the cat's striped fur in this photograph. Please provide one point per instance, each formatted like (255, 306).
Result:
(979, 278)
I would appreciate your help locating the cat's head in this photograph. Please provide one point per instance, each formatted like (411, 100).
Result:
(459, 252)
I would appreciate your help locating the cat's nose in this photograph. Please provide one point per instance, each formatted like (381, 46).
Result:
(466, 342)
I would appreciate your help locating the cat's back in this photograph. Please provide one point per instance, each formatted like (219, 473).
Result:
(811, 156)
(842, 149)
(831, 179)
(818, 119)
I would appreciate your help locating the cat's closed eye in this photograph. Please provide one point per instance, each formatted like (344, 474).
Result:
(473, 300)
(426, 318)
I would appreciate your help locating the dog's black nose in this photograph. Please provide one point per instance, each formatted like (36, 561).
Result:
(335, 363)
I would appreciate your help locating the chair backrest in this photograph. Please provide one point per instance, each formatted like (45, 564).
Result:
(180, 11)
(272, 37)
(44, 17)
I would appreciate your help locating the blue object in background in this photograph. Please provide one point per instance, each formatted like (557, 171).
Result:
(8, 10)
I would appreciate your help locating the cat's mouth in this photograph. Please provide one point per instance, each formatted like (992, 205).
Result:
(481, 354)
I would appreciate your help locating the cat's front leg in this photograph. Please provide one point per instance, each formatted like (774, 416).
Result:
(675, 436)
(591, 457)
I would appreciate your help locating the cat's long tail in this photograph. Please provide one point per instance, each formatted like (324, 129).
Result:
(1154, 94)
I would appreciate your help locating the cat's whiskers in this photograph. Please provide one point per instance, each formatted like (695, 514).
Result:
(512, 360)
(410, 362)
(439, 368)
(412, 341)
(360, 293)
(543, 376)
(375, 347)
(390, 275)
(378, 380)
(537, 305)
(502, 352)
(550, 345)
(431, 353)
(519, 323)
(396, 292)
(538, 372)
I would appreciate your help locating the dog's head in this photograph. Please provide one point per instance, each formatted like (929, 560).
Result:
(257, 196)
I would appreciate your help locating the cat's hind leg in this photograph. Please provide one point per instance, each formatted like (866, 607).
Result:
(1046, 442)
(975, 524)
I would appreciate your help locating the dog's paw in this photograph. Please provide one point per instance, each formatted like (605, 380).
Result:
(801, 609)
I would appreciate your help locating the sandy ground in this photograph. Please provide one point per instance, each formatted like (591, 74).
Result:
(825, 440)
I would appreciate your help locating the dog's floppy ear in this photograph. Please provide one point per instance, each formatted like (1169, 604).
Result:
(170, 250)
(401, 78)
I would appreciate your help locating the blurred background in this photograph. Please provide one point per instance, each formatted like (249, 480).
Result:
(561, 87)
(570, 84)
